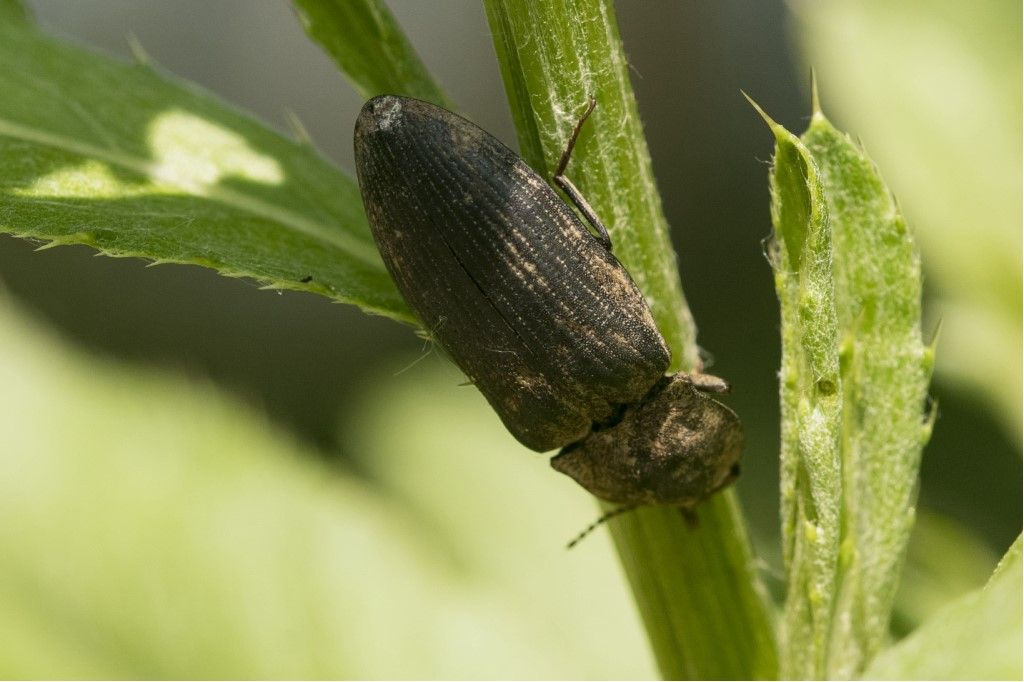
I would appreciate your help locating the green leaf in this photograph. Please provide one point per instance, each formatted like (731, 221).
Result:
(13, 10)
(154, 528)
(503, 518)
(977, 637)
(133, 163)
(697, 590)
(945, 560)
(369, 47)
(810, 394)
(886, 369)
(933, 87)
(853, 388)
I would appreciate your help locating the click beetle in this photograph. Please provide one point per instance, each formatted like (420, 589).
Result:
(535, 309)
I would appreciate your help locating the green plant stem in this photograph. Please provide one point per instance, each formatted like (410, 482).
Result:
(696, 587)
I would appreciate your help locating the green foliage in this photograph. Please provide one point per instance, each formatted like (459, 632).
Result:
(810, 390)
(13, 11)
(885, 372)
(853, 388)
(126, 160)
(977, 637)
(154, 528)
(167, 173)
(369, 47)
(276, 564)
(945, 560)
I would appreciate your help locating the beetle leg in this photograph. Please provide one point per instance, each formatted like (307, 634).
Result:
(570, 189)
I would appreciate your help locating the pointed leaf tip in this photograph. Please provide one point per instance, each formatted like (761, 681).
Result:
(139, 53)
(817, 115)
(933, 344)
(299, 131)
(757, 107)
(815, 101)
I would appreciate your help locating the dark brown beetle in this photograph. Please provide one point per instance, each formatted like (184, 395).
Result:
(536, 310)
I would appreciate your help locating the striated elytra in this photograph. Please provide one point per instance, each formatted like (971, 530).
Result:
(536, 310)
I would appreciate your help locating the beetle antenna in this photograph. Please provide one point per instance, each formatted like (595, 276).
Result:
(602, 519)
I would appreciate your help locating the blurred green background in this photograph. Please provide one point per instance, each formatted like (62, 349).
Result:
(199, 478)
